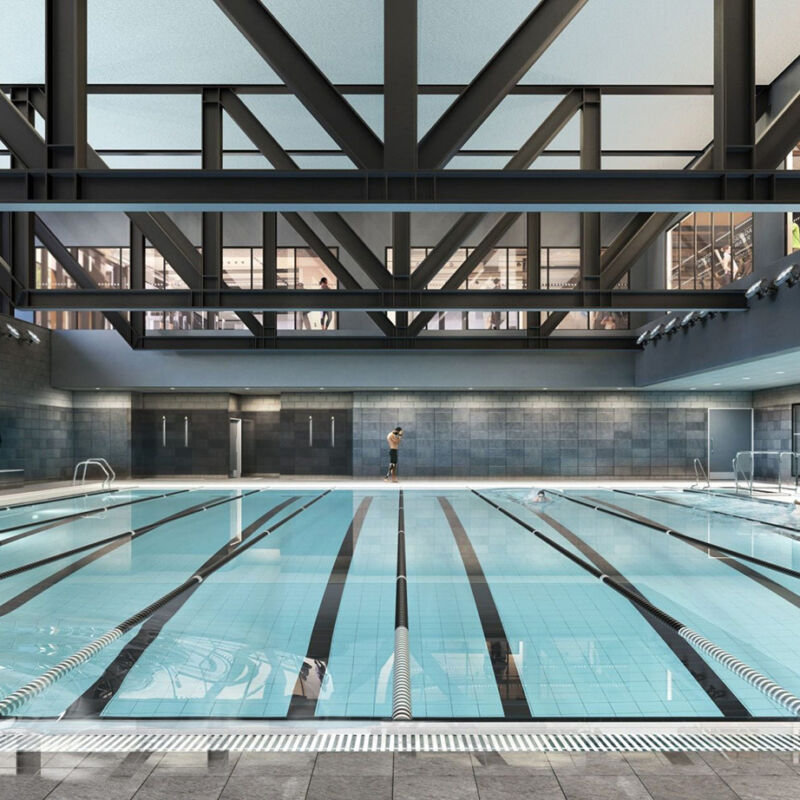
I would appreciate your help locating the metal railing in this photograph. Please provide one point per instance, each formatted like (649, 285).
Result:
(741, 472)
(699, 470)
(108, 471)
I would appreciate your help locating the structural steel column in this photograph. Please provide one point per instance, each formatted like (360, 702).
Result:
(400, 84)
(269, 266)
(533, 277)
(65, 76)
(212, 220)
(137, 281)
(23, 252)
(590, 159)
(734, 84)
(401, 261)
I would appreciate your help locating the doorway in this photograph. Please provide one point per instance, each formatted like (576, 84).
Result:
(730, 430)
(235, 465)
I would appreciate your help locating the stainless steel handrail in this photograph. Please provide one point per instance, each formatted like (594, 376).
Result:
(698, 471)
(108, 471)
(752, 454)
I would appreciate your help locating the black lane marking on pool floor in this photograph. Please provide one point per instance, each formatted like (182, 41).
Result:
(303, 703)
(32, 591)
(783, 530)
(722, 554)
(509, 686)
(58, 521)
(401, 578)
(56, 499)
(93, 701)
(661, 622)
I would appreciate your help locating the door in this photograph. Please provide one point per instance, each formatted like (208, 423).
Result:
(235, 468)
(730, 430)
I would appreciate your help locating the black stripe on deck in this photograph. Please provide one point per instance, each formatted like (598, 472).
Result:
(708, 680)
(509, 685)
(306, 693)
(94, 700)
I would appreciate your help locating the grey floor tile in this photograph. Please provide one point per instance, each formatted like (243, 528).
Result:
(432, 763)
(748, 764)
(764, 787)
(275, 763)
(681, 787)
(435, 787)
(263, 787)
(26, 787)
(590, 764)
(603, 787)
(354, 764)
(668, 764)
(172, 784)
(510, 764)
(62, 760)
(90, 784)
(520, 787)
(336, 787)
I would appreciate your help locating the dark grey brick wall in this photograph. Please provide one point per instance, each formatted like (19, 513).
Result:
(772, 427)
(35, 419)
(570, 434)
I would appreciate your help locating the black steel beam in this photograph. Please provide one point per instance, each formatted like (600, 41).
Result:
(79, 275)
(400, 84)
(137, 281)
(464, 270)
(444, 190)
(211, 221)
(322, 252)
(23, 255)
(269, 266)
(94, 299)
(534, 146)
(425, 343)
(269, 147)
(305, 80)
(590, 160)
(778, 140)
(65, 72)
(495, 80)
(533, 271)
(15, 131)
(734, 84)
(401, 263)
(655, 89)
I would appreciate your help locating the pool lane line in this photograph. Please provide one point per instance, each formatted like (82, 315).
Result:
(58, 499)
(55, 522)
(766, 685)
(715, 550)
(401, 682)
(318, 652)
(115, 542)
(794, 534)
(92, 703)
(13, 702)
(708, 680)
(509, 687)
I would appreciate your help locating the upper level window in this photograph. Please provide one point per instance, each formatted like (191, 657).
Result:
(793, 217)
(708, 250)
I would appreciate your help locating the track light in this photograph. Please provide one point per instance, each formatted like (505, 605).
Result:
(669, 326)
(34, 338)
(688, 319)
(758, 288)
(704, 314)
(642, 337)
(655, 333)
(12, 331)
(786, 276)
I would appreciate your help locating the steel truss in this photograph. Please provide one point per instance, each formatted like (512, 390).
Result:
(398, 175)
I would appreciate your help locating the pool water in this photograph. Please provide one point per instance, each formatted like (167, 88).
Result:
(295, 616)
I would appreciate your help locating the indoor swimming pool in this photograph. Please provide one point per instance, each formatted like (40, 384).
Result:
(284, 603)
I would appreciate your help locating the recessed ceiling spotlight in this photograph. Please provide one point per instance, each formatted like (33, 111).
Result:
(780, 372)
(396, 388)
(12, 331)
(172, 388)
(692, 388)
(746, 379)
(322, 388)
(718, 384)
(247, 388)
(544, 388)
(97, 388)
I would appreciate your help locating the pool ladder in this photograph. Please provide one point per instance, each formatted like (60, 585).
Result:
(698, 471)
(108, 471)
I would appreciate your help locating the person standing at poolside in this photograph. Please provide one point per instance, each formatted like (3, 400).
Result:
(394, 442)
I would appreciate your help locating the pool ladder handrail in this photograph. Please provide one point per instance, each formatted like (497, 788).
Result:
(698, 471)
(748, 480)
(108, 471)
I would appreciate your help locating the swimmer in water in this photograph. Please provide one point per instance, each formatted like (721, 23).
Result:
(795, 512)
(539, 497)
